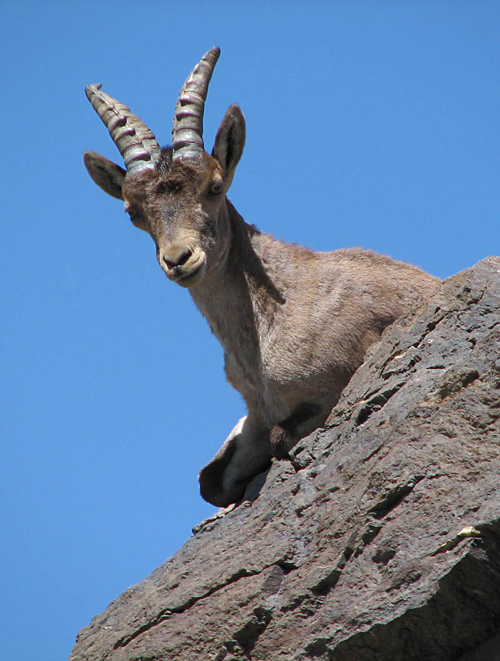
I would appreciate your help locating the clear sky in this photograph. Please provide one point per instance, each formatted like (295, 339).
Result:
(368, 123)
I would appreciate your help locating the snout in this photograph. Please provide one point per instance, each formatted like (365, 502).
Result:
(183, 264)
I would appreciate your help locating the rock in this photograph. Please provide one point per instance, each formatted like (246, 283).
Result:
(378, 540)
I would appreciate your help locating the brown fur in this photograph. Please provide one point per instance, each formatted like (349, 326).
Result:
(294, 323)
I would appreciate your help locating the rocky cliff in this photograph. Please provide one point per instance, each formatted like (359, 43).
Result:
(379, 540)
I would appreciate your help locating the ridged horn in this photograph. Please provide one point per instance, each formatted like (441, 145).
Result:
(187, 129)
(135, 141)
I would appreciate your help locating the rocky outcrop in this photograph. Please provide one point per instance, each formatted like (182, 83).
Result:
(379, 540)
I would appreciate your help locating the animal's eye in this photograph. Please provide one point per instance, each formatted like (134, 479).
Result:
(216, 188)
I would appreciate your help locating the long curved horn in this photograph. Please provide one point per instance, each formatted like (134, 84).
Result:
(187, 129)
(136, 142)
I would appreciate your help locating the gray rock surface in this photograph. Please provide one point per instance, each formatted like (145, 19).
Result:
(379, 540)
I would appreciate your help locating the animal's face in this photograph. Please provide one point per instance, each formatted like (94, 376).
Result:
(181, 205)
(177, 195)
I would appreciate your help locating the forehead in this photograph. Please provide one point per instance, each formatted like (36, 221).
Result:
(183, 175)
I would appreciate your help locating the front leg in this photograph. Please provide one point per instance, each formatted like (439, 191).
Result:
(244, 455)
(305, 419)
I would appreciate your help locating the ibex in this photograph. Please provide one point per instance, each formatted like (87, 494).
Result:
(294, 323)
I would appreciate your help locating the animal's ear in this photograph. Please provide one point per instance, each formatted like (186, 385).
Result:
(229, 142)
(106, 174)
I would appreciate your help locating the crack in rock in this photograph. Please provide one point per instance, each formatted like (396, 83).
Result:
(168, 612)
(394, 497)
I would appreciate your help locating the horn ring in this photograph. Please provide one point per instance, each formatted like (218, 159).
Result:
(135, 141)
(187, 129)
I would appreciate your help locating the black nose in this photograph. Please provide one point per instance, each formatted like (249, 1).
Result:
(179, 260)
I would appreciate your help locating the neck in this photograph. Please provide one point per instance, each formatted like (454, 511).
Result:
(238, 298)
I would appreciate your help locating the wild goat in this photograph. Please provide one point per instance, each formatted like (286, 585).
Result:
(295, 324)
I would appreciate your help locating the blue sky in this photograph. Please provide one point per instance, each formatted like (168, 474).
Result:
(368, 123)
